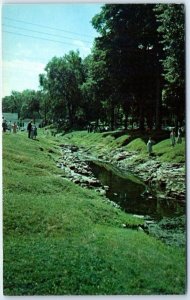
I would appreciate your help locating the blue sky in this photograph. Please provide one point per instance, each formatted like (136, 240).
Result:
(57, 28)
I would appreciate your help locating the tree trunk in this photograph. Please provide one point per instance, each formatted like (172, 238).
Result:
(141, 117)
(126, 120)
(112, 121)
(158, 99)
(70, 115)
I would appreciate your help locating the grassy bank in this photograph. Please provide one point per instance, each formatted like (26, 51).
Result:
(103, 143)
(60, 239)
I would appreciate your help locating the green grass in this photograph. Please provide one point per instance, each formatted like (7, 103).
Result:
(137, 145)
(102, 143)
(167, 153)
(97, 142)
(60, 239)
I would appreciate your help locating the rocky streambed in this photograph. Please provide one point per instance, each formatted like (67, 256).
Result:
(75, 168)
(163, 182)
(167, 179)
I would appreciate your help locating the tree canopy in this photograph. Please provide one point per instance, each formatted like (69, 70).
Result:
(134, 75)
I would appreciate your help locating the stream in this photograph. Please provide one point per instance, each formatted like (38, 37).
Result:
(133, 196)
(164, 217)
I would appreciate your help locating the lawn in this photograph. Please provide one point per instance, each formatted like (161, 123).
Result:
(61, 239)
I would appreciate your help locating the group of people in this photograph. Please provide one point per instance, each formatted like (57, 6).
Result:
(9, 126)
(172, 139)
(32, 130)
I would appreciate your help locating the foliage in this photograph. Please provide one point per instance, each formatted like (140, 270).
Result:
(133, 77)
(130, 46)
(92, 106)
(171, 20)
(62, 82)
(26, 103)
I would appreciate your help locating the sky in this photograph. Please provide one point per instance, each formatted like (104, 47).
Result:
(34, 33)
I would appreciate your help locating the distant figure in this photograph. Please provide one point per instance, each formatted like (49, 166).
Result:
(34, 129)
(88, 128)
(179, 136)
(14, 127)
(32, 132)
(149, 146)
(10, 126)
(4, 125)
(29, 129)
(172, 137)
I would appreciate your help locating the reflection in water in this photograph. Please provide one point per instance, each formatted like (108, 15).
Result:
(131, 197)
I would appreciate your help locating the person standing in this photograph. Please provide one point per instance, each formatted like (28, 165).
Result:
(10, 126)
(149, 146)
(179, 136)
(14, 127)
(172, 137)
(32, 132)
(29, 129)
(35, 131)
(4, 125)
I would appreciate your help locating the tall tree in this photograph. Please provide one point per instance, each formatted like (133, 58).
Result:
(13, 103)
(62, 81)
(25, 103)
(131, 53)
(171, 20)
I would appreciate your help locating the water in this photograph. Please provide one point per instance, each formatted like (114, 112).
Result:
(132, 196)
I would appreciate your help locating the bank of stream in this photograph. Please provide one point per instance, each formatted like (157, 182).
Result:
(164, 219)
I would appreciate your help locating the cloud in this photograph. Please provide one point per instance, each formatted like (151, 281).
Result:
(20, 74)
(84, 50)
(22, 50)
(22, 65)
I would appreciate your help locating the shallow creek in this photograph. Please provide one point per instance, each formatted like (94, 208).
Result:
(132, 195)
(164, 218)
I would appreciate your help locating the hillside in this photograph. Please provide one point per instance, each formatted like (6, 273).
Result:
(62, 239)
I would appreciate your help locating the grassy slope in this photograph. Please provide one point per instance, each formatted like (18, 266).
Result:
(101, 143)
(62, 239)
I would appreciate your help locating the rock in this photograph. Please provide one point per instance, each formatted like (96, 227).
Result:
(102, 192)
(72, 167)
(106, 187)
(94, 182)
(140, 229)
(146, 192)
(162, 183)
(120, 156)
(77, 181)
(138, 216)
(74, 148)
(149, 222)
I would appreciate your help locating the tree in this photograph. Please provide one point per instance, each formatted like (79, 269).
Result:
(62, 83)
(171, 20)
(26, 103)
(12, 103)
(92, 88)
(30, 104)
(130, 47)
